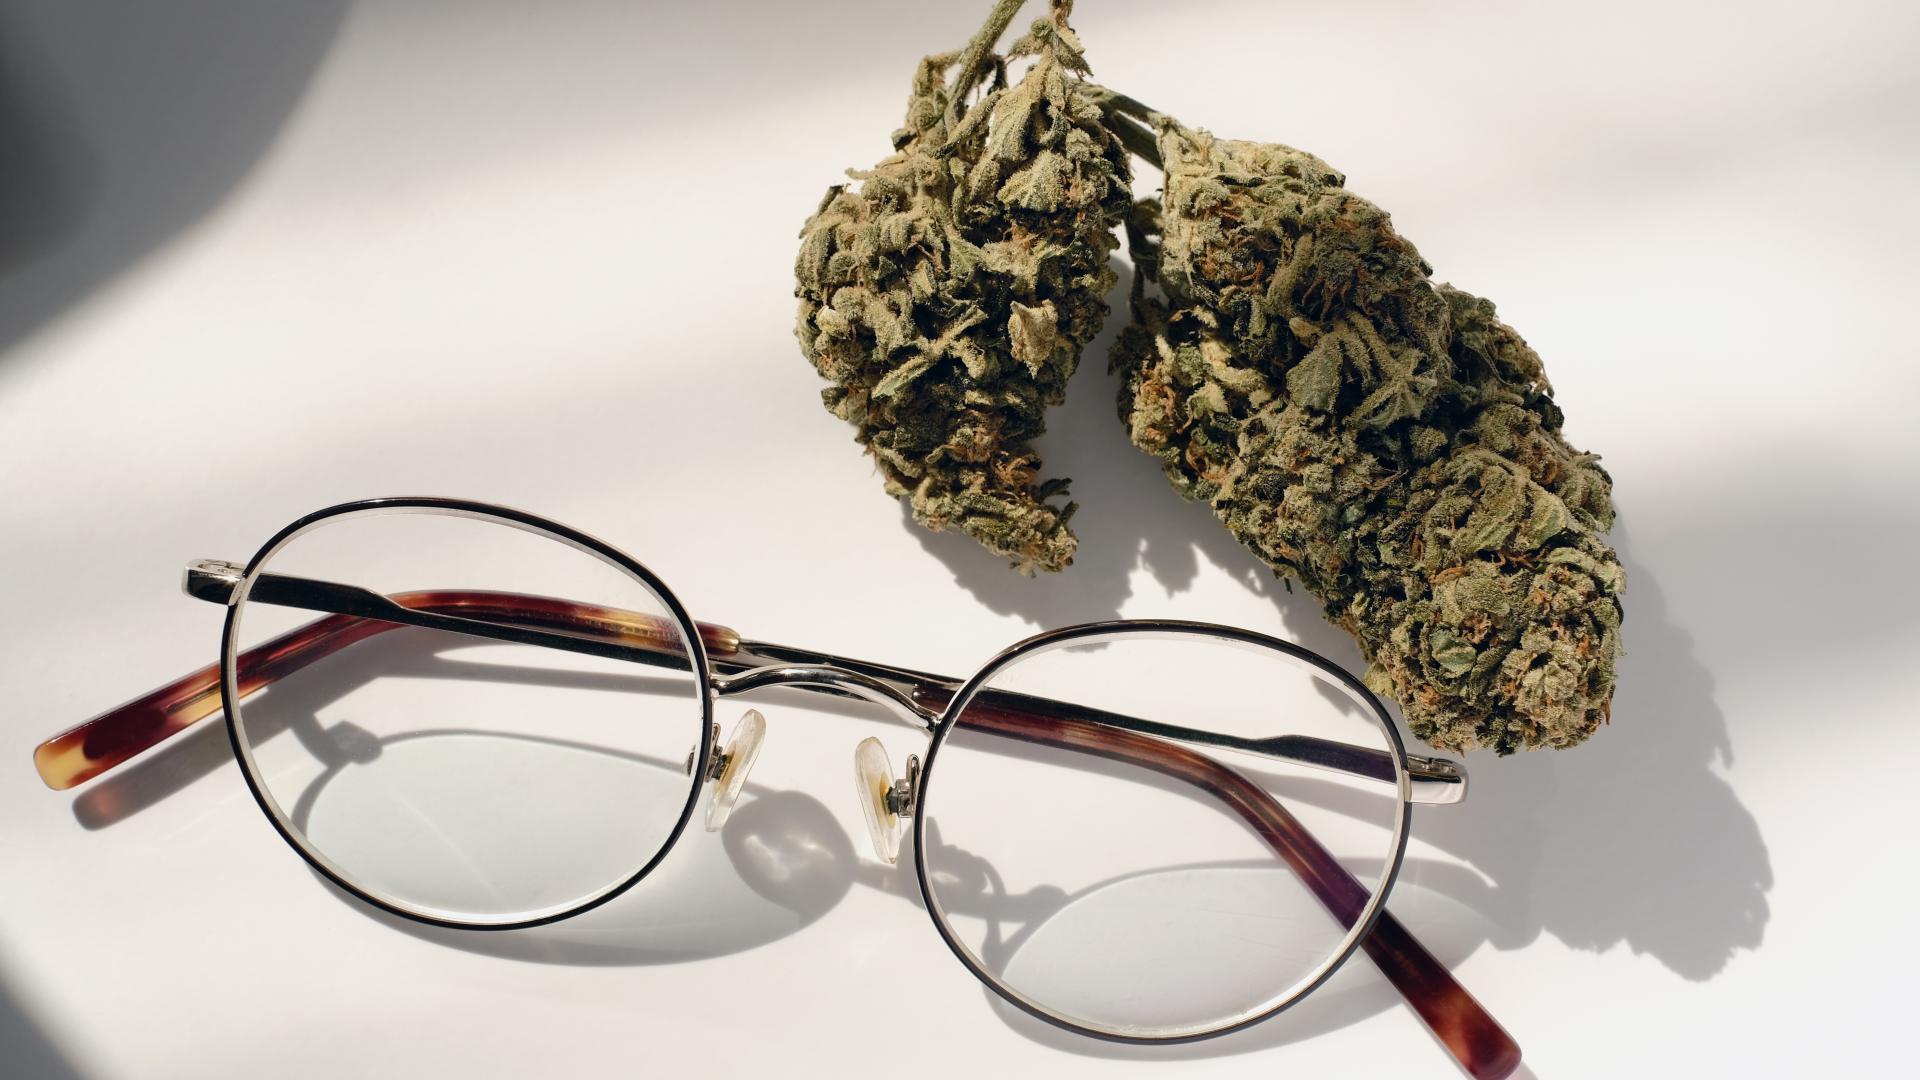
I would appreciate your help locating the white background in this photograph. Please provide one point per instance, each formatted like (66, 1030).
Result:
(256, 259)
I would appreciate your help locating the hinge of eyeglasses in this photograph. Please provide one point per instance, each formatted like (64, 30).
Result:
(1436, 780)
(903, 793)
(212, 579)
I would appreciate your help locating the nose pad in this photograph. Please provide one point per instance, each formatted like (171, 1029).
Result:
(729, 768)
(884, 801)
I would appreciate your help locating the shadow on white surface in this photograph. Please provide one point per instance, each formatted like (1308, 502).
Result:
(25, 1050)
(784, 861)
(125, 123)
(1444, 910)
(780, 864)
(1634, 838)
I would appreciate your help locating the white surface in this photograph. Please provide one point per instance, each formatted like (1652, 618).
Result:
(539, 255)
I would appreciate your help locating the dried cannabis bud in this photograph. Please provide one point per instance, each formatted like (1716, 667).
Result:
(948, 298)
(1389, 442)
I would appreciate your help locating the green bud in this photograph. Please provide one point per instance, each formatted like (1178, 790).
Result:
(947, 298)
(1388, 442)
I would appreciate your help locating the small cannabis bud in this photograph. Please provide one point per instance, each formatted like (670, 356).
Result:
(948, 297)
(1388, 442)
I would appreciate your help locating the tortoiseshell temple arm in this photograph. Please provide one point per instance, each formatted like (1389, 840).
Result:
(86, 750)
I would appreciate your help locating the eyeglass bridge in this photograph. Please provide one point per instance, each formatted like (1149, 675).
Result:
(832, 677)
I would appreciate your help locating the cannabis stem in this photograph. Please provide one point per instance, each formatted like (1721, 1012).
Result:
(979, 51)
(1116, 102)
(1133, 124)
(1136, 138)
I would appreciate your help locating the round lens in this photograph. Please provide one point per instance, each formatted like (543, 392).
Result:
(1158, 833)
(507, 761)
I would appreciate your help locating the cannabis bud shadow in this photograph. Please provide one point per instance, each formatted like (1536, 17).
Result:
(1634, 838)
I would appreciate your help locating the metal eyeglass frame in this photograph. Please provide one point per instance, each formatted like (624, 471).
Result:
(723, 664)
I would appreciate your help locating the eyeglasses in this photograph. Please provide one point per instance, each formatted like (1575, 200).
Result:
(1147, 831)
